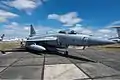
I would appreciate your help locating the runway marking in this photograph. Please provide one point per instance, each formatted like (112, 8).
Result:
(2, 68)
(63, 72)
(9, 66)
(43, 68)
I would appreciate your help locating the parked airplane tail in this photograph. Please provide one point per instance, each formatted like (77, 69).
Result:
(117, 39)
(118, 31)
(2, 37)
(32, 31)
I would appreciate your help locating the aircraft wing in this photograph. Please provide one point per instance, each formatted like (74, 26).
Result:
(43, 39)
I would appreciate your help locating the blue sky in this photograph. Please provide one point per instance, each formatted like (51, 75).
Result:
(82, 15)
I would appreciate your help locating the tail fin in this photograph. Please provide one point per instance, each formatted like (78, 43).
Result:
(2, 37)
(32, 31)
(118, 31)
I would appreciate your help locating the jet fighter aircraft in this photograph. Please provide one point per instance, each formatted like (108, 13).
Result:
(62, 40)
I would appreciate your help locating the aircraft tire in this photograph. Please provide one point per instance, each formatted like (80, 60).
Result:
(66, 52)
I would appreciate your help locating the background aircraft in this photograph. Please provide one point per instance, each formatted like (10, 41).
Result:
(117, 39)
(1, 38)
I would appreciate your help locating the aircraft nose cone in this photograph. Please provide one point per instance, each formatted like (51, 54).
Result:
(108, 42)
(101, 42)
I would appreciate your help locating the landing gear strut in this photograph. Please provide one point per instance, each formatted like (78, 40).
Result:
(66, 52)
(84, 47)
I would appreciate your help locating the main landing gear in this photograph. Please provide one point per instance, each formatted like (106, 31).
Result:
(66, 52)
(63, 51)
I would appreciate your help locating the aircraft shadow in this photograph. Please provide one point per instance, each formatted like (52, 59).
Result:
(70, 56)
(50, 53)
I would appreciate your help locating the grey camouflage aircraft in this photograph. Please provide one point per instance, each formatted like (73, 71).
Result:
(61, 41)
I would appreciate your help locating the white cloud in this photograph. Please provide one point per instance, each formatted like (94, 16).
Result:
(106, 33)
(99, 33)
(5, 15)
(3, 6)
(69, 19)
(3, 19)
(15, 29)
(53, 16)
(116, 23)
(78, 25)
(104, 30)
(12, 25)
(26, 28)
(80, 29)
(27, 5)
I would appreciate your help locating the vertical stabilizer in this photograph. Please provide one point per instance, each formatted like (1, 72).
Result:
(118, 30)
(2, 37)
(32, 31)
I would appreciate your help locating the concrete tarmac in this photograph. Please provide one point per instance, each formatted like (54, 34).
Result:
(89, 64)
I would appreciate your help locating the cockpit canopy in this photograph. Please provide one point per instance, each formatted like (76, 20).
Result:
(68, 32)
(63, 32)
(72, 32)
